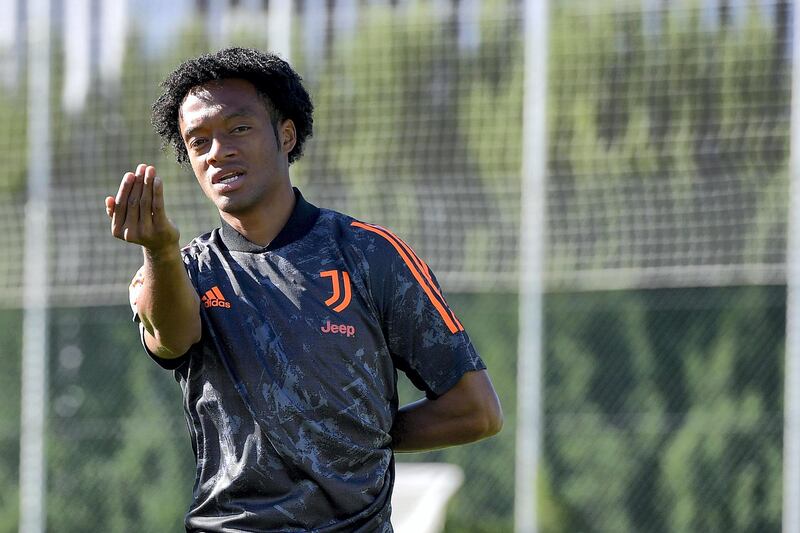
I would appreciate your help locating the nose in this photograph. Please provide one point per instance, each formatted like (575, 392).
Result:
(221, 149)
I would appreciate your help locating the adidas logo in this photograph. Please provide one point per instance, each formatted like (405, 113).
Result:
(214, 298)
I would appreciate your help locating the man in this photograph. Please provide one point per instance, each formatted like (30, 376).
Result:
(286, 325)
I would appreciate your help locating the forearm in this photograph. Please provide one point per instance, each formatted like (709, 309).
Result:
(467, 413)
(168, 304)
(166, 301)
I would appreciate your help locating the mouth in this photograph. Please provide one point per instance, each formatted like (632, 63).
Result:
(227, 177)
(228, 181)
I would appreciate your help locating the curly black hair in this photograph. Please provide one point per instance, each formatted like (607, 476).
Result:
(274, 79)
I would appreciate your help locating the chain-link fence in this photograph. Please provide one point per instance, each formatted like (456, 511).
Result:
(666, 232)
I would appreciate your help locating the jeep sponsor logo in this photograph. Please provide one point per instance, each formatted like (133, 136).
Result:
(341, 329)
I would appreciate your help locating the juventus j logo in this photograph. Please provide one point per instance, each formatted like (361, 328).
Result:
(337, 289)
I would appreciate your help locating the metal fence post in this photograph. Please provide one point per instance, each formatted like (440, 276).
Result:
(791, 394)
(531, 266)
(35, 291)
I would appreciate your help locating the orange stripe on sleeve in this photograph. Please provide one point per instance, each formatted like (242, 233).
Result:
(424, 269)
(420, 263)
(410, 264)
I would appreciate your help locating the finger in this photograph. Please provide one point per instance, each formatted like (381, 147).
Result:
(159, 213)
(134, 201)
(145, 207)
(121, 205)
(124, 187)
(109, 203)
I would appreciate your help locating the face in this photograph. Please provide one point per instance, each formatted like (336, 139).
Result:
(238, 156)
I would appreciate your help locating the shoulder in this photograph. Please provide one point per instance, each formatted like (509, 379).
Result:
(384, 248)
(384, 259)
(201, 246)
(387, 259)
(370, 240)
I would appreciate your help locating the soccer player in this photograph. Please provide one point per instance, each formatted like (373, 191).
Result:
(286, 325)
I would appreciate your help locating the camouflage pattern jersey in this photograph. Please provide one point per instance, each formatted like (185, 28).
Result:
(291, 393)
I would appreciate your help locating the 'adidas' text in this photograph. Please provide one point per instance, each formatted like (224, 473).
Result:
(214, 298)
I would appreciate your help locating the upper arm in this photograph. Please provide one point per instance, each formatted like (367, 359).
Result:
(467, 412)
(474, 397)
(154, 347)
(184, 334)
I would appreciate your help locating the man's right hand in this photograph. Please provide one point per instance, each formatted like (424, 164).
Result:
(166, 302)
(137, 212)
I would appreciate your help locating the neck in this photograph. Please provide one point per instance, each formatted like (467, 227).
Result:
(263, 224)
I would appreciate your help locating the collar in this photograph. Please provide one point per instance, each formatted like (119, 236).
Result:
(303, 217)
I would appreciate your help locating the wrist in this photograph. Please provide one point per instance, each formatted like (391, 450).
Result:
(162, 254)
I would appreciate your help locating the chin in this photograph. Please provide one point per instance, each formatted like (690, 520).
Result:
(225, 205)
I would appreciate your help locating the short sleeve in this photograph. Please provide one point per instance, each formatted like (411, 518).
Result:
(425, 337)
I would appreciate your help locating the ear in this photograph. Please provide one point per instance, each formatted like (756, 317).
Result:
(288, 135)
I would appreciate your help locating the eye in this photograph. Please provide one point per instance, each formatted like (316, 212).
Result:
(197, 142)
(240, 129)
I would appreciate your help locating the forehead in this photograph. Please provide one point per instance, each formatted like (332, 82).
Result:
(220, 98)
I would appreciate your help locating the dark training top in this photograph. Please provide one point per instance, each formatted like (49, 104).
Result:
(291, 392)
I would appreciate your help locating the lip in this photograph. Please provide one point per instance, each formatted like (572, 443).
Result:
(223, 187)
(217, 176)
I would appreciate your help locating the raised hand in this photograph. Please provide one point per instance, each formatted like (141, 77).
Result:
(137, 212)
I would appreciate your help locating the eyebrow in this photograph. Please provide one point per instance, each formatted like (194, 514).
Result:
(244, 112)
